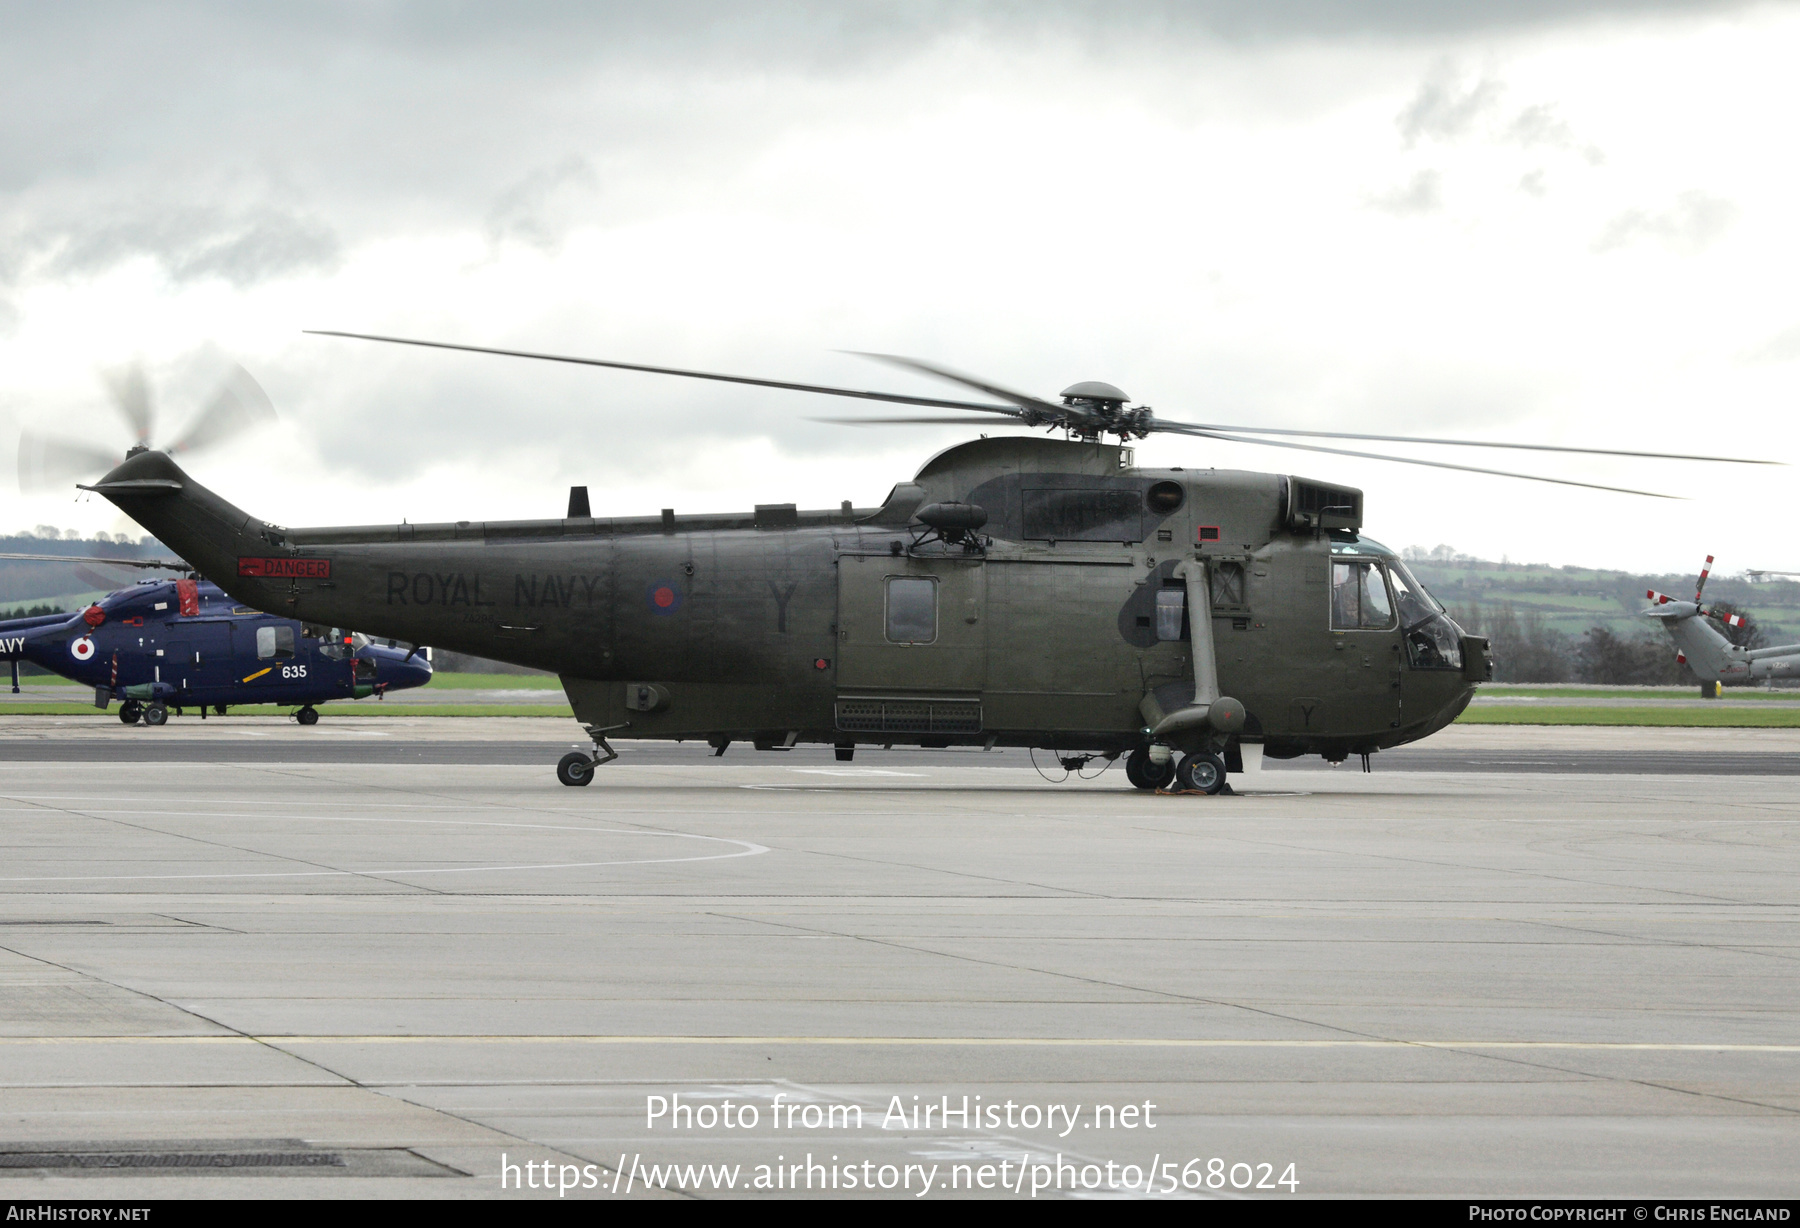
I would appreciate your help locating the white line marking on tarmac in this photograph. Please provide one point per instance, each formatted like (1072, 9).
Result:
(746, 848)
(1091, 1042)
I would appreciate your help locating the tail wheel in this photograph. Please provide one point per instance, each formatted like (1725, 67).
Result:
(1203, 772)
(575, 768)
(308, 715)
(1144, 774)
(156, 714)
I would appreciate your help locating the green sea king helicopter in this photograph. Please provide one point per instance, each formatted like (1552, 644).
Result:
(1017, 592)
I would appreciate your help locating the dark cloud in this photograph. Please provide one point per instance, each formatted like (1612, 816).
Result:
(1540, 126)
(1444, 108)
(1692, 222)
(190, 242)
(1423, 193)
(512, 120)
(540, 208)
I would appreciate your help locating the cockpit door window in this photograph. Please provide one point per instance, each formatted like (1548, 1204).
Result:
(1359, 597)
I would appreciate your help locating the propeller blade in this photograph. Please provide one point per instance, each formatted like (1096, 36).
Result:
(239, 404)
(47, 464)
(1012, 419)
(154, 564)
(1020, 399)
(130, 390)
(1658, 598)
(1408, 460)
(1157, 424)
(1705, 571)
(929, 402)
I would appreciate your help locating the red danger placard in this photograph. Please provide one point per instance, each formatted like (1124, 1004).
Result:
(286, 569)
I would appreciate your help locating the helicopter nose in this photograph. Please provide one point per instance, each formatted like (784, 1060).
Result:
(416, 672)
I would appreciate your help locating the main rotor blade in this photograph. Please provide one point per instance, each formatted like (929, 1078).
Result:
(155, 564)
(47, 464)
(239, 404)
(1013, 419)
(1408, 460)
(827, 390)
(130, 390)
(1157, 424)
(968, 381)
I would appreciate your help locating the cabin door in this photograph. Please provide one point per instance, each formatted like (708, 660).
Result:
(915, 625)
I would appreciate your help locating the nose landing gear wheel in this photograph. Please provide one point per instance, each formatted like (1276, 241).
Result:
(1203, 773)
(156, 714)
(131, 712)
(308, 715)
(575, 768)
(1146, 775)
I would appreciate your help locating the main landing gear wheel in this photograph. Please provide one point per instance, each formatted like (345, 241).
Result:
(156, 714)
(1203, 772)
(575, 768)
(1146, 775)
(308, 715)
(131, 712)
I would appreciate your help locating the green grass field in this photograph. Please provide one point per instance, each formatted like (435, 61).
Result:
(1692, 718)
(494, 682)
(1629, 692)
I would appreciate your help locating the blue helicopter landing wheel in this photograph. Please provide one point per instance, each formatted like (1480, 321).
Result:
(308, 715)
(156, 714)
(575, 768)
(131, 712)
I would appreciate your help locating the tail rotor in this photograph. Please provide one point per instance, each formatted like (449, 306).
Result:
(1724, 616)
(49, 463)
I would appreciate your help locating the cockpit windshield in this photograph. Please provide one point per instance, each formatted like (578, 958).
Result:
(1433, 640)
(1416, 603)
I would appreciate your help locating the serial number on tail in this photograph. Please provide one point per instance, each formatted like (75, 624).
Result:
(285, 569)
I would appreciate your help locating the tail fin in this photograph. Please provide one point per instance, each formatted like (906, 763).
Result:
(204, 529)
(1698, 643)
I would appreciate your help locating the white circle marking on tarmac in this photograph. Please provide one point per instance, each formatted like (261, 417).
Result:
(746, 848)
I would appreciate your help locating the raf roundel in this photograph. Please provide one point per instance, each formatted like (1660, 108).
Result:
(82, 649)
(663, 597)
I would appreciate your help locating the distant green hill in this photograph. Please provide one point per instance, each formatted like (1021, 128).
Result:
(68, 585)
(1574, 599)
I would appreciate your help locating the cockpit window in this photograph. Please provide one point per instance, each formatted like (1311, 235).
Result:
(1416, 604)
(1433, 641)
(1359, 597)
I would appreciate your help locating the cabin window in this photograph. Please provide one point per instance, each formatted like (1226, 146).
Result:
(1171, 606)
(272, 642)
(911, 609)
(1359, 598)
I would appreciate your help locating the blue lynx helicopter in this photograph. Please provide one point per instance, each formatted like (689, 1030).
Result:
(163, 644)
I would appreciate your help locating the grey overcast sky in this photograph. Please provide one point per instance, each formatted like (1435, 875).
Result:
(1538, 222)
